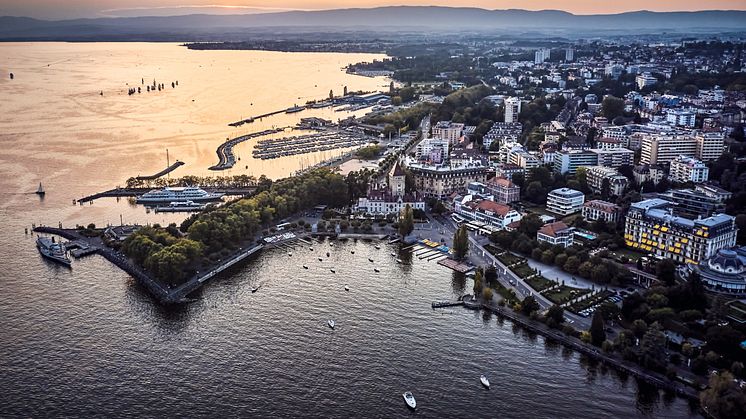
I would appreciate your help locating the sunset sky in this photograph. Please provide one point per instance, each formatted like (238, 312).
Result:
(63, 9)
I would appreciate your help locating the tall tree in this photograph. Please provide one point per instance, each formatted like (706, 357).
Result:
(461, 243)
(406, 221)
(597, 330)
(724, 398)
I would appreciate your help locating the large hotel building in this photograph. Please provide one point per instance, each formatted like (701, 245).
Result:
(652, 227)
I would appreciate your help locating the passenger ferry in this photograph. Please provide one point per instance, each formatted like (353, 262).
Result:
(295, 109)
(172, 195)
(52, 250)
(185, 206)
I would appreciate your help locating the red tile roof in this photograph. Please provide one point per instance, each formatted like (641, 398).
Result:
(494, 207)
(552, 229)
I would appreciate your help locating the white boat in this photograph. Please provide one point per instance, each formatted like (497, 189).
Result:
(331, 323)
(398, 261)
(290, 253)
(370, 259)
(485, 381)
(321, 259)
(255, 289)
(180, 206)
(310, 248)
(376, 270)
(171, 195)
(305, 267)
(295, 109)
(409, 399)
(347, 287)
(393, 254)
(378, 247)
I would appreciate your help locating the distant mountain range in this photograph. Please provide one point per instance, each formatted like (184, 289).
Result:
(404, 18)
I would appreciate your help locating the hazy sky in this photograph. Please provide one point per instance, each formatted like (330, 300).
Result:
(61, 9)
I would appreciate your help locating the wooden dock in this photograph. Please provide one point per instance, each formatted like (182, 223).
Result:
(445, 303)
(163, 172)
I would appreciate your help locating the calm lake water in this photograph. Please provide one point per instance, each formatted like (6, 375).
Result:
(90, 342)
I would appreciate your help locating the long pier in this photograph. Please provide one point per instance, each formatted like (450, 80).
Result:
(254, 118)
(132, 192)
(225, 151)
(163, 172)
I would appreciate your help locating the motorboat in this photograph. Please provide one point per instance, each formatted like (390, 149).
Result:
(321, 259)
(393, 254)
(327, 254)
(398, 261)
(376, 270)
(333, 271)
(378, 247)
(485, 381)
(331, 323)
(305, 267)
(290, 253)
(370, 259)
(409, 399)
(255, 289)
(347, 287)
(352, 252)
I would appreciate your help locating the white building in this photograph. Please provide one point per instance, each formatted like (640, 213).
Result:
(597, 174)
(686, 169)
(512, 109)
(541, 55)
(645, 79)
(557, 233)
(680, 118)
(710, 145)
(569, 54)
(565, 201)
(485, 211)
(389, 198)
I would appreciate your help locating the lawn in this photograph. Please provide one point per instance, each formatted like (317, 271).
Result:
(523, 270)
(582, 305)
(539, 283)
(564, 293)
(509, 258)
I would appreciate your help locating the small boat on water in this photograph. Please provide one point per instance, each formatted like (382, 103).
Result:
(255, 289)
(347, 287)
(305, 267)
(378, 247)
(290, 253)
(376, 270)
(485, 381)
(398, 261)
(327, 254)
(333, 271)
(393, 254)
(40, 191)
(310, 248)
(370, 259)
(352, 252)
(331, 323)
(321, 259)
(409, 399)
(52, 250)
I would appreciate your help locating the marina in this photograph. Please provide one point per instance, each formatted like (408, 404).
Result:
(225, 151)
(273, 148)
(163, 172)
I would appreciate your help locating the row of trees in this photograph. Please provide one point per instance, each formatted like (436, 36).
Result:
(217, 232)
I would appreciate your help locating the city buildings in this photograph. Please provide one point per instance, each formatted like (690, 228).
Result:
(390, 197)
(662, 148)
(598, 175)
(442, 180)
(686, 169)
(501, 133)
(565, 201)
(503, 190)
(485, 211)
(557, 233)
(694, 203)
(602, 210)
(512, 109)
(680, 118)
(541, 55)
(725, 272)
(710, 145)
(614, 157)
(448, 131)
(651, 227)
(644, 173)
(645, 79)
(569, 54)
(568, 161)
